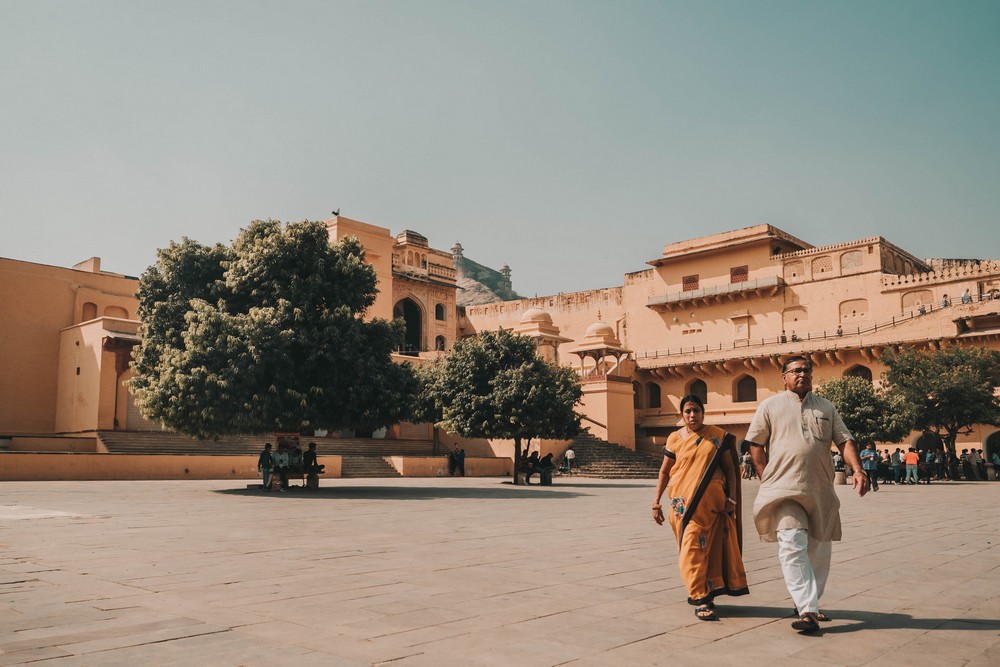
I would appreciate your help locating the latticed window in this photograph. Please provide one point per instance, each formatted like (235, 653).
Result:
(822, 265)
(690, 282)
(739, 274)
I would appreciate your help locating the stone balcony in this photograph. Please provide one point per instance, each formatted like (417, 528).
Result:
(717, 294)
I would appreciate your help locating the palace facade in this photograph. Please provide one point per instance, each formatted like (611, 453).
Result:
(712, 316)
(715, 316)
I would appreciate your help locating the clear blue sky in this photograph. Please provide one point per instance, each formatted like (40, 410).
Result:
(571, 140)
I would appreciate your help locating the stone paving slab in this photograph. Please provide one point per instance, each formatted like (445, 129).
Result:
(469, 571)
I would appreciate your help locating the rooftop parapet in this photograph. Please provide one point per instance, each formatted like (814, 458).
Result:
(946, 273)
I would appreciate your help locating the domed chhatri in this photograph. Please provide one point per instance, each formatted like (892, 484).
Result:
(537, 316)
(601, 330)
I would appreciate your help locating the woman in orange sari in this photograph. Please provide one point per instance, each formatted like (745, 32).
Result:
(699, 476)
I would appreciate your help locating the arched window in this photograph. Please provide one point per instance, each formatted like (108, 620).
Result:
(636, 396)
(746, 390)
(439, 312)
(89, 311)
(700, 389)
(859, 372)
(654, 395)
(439, 343)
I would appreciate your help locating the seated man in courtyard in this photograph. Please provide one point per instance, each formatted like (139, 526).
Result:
(281, 464)
(309, 462)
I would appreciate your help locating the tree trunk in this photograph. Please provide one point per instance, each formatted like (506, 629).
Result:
(517, 457)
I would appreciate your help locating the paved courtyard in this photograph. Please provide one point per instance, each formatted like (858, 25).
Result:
(468, 572)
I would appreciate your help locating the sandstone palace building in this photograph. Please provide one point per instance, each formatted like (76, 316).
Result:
(712, 316)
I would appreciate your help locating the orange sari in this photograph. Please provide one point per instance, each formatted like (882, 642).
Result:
(709, 539)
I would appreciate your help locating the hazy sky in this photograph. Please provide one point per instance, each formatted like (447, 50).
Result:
(571, 140)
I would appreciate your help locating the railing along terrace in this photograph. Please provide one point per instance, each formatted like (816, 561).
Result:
(789, 339)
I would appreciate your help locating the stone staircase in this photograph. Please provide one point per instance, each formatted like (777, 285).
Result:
(600, 458)
(366, 466)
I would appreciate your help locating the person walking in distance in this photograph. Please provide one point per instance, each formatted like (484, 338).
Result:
(570, 459)
(797, 506)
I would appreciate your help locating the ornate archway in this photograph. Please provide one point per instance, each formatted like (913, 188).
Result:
(412, 314)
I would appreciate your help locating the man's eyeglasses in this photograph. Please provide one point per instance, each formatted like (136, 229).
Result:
(800, 371)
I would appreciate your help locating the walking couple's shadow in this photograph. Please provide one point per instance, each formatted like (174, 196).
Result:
(855, 620)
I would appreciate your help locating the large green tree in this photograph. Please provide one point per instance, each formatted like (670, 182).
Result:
(872, 415)
(267, 334)
(951, 389)
(495, 385)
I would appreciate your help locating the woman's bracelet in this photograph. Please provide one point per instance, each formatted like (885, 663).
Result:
(657, 507)
(731, 500)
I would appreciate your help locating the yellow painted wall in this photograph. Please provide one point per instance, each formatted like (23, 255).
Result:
(38, 302)
(377, 242)
(19, 466)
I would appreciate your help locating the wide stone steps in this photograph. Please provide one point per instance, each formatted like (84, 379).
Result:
(602, 459)
(155, 442)
(366, 466)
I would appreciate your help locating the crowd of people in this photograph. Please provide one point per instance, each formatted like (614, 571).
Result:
(919, 466)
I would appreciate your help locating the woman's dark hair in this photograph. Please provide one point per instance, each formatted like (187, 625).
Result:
(691, 398)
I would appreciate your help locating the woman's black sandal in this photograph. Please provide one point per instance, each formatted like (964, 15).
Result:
(706, 612)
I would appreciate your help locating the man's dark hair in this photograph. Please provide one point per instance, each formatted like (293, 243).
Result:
(790, 360)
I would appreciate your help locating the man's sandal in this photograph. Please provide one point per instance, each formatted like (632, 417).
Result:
(820, 616)
(706, 612)
(805, 623)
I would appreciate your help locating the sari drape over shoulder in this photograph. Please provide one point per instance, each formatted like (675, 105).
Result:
(710, 540)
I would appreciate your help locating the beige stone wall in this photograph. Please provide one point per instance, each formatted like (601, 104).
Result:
(19, 466)
(437, 466)
(378, 252)
(38, 302)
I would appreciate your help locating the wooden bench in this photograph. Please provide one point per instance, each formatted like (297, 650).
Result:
(309, 480)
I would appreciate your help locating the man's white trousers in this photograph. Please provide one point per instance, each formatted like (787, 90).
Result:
(805, 562)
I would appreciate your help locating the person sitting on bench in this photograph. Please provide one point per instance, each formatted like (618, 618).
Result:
(294, 457)
(309, 461)
(281, 465)
(544, 465)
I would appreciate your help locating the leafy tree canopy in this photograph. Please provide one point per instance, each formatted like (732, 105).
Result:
(496, 386)
(872, 415)
(951, 389)
(265, 335)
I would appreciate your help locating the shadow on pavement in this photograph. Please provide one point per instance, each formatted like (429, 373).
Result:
(596, 485)
(854, 620)
(389, 492)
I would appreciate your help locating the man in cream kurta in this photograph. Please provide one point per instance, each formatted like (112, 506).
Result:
(796, 506)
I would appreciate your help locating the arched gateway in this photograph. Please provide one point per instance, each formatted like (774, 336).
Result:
(410, 311)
